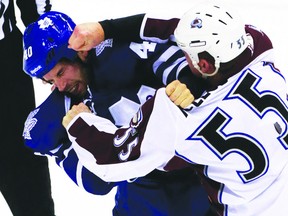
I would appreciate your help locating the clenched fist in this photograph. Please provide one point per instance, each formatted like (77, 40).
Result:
(86, 36)
(74, 111)
(179, 94)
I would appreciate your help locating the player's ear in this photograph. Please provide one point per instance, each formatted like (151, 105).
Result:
(206, 66)
(83, 55)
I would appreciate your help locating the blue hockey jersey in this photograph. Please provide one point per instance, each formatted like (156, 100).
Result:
(123, 76)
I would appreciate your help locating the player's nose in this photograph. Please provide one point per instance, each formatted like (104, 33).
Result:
(60, 84)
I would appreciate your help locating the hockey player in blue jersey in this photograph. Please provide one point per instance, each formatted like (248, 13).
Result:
(120, 77)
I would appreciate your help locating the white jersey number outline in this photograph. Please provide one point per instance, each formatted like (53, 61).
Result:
(211, 132)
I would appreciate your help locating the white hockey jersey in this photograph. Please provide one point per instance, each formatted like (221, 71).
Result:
(239, 132)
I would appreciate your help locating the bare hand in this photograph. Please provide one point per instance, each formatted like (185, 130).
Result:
(86, 36)
(75, 110)
(179, 94)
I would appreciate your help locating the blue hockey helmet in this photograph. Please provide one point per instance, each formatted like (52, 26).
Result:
(45, 42)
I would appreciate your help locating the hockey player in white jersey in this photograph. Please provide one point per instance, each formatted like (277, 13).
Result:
(236, 134)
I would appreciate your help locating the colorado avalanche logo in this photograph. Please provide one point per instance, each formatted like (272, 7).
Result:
(196, 23)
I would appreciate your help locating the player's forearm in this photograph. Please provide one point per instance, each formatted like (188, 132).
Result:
(123, 29)
(120, 154)
(141, 26)
(82, 177)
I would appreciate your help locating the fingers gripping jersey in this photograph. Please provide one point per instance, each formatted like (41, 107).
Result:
(238, 131)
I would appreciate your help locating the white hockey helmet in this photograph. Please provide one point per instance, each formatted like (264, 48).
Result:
(212, 28)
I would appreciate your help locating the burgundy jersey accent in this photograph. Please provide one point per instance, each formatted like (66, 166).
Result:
(102, 144)
(153, 25)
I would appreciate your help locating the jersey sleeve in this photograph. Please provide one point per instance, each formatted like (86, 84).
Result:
(30, 10)
(43, 130)
(170, 64)
(157, 28)
(116, 154)
(68, 161)
(140, 27)
(45, 135)
(123, 29)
